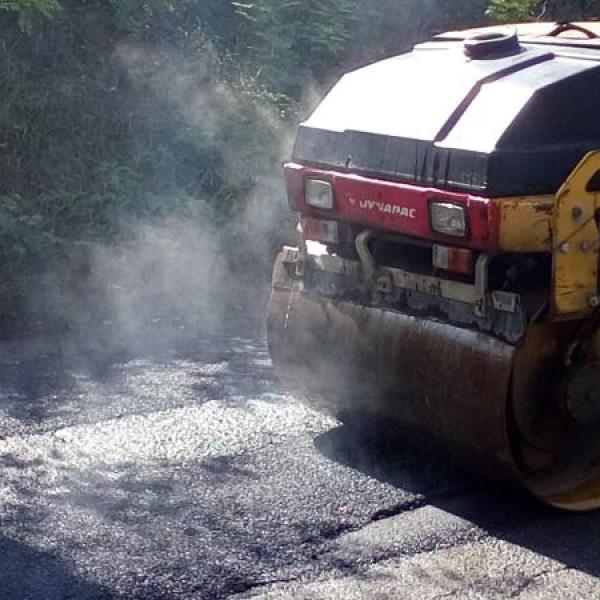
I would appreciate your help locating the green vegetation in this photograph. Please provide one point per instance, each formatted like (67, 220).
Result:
(560, 10)
(512, 10)
(28, 10)
(116, 111)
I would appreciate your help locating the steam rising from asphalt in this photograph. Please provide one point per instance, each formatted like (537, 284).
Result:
(185, 272)
(172, 273)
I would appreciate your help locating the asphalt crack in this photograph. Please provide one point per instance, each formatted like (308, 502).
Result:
(528, 582)
(398, 509)
(245, 588)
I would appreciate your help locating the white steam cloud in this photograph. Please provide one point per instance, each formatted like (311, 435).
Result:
(184, 271)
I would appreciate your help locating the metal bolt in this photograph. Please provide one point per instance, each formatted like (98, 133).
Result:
(565, 247)
(595, 301)
(586, 245)
(577, 212)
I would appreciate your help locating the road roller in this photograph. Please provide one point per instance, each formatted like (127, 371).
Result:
(445, 276)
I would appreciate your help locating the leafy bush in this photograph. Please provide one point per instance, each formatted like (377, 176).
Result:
(512, 10)
(28, 10)
(560, 10)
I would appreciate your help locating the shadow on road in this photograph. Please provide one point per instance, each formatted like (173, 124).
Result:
(29, 574)
(510, 515)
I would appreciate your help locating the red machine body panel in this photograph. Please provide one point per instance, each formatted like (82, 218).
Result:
(395, 207)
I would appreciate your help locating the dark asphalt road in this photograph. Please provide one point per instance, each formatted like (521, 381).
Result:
(180, 469)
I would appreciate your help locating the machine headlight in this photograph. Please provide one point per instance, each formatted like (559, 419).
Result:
(318, 193)
(449, 219)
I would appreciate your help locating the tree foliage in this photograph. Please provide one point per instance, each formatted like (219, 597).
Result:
(28, 10)
(560, 10)
(512, 10)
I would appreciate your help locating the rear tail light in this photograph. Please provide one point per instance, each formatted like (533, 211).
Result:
(320, 230)
(459, 260)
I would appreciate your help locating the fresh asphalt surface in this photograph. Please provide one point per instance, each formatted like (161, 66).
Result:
(180, 468)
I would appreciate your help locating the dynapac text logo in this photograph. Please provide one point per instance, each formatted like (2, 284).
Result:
(383, 207)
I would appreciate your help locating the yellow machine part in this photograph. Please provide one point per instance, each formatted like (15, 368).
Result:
(531, 224)
(564, 225)
(526, 223)
(499, 409)
(575, 241)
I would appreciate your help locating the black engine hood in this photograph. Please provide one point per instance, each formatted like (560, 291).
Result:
(507, 126)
